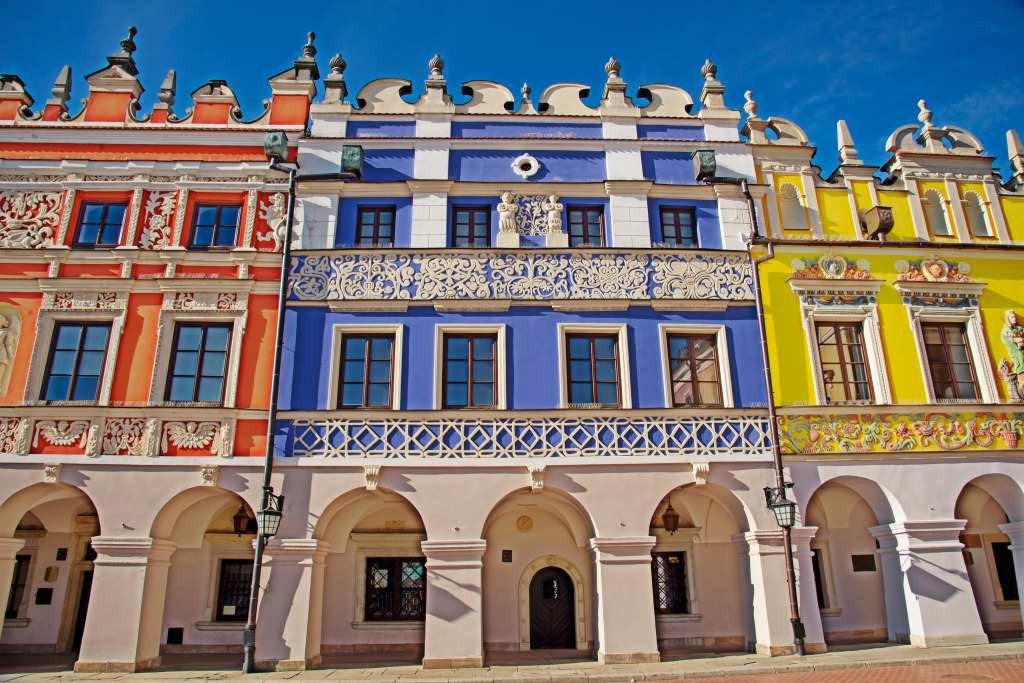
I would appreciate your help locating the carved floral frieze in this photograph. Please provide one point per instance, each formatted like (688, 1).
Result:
(197, 301)
(130, 436)
(157, 227)
(84, 301)
(933, 269)
(831, 267)
(61, 432)
(274, 212)
(889, 432)
(520, 276)
(192, 436)
(29, 219)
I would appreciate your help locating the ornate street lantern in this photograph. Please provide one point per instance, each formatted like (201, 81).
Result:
(670, 518)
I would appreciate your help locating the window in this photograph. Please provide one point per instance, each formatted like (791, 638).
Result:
(693, 369)
(74, 368)
(586, 226)
(376, 226)
(843, 363)
(471, 226)
(19, 582)
(99, 224)
(395, 589)
(668, 570)
(819, 581)
(678, 227)
(198, 362)
(593, 364)
(215, 225)
(234, 589)
(469, 371)
(949, 361)
(1006, 575)
(367, 371)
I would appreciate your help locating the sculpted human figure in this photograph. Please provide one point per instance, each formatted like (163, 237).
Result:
(554, 211)
(507, 212)
(1013, 337)
(8, 344)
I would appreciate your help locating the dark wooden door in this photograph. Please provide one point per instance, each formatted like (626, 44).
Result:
(552, 613)
(83, 608)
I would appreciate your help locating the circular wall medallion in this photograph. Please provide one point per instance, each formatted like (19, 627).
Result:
(525, 166)
(524, 524)
(832, 267)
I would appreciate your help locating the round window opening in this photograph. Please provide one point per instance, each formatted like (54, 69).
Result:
(525, 166)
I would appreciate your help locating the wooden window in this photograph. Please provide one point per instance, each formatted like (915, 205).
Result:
(693, 364)
(949, 361)
(471, 226)
(586, 226)
(214, 225)
(593, 369)
(199, 359)
(99, 224)
(376, 226)
(469, 371)
(1006, 574)
(668, 570)
(366, 373)
(19, 582)
(844, 366)
(678, 227)
(396, 589)
(74, 368)
(233, 592)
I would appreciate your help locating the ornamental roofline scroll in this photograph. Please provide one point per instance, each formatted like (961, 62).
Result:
(520, 276)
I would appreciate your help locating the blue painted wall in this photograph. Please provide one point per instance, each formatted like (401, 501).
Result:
(532, 352)
(670, 168)
(502, 129)
(348, 214)
(709, 229)
(555, 166)
(388, 165)
(357, 128)
(661, 131)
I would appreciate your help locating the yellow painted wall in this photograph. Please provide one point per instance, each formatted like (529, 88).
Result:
(963, 189)
(836, 218)
(1013, 211)
(903, 226)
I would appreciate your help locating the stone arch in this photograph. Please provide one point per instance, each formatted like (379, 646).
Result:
(1004, 489)
(883, 503)
(579, 598)
(24, 500)
(185, 517)
(351, 507)
(738, 509)
(562, 504)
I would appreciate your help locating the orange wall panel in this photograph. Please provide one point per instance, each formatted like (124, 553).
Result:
(108, 106)
(207, 271)
(143, 272)
(36, 150)
(211, 113)
(27, 306)
(136, 357)
(289, 109)
(9, 109)
(265, 274)
(256, 364)
(250, 438)
(90, 270)
(13, 270)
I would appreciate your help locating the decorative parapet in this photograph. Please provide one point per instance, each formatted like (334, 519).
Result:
(700, 438)
(894, 432)
(400, 276)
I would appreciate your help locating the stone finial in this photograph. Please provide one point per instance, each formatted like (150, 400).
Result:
(61, 90)
(338, 64)
(847, 152)
(751, 106)
(709, 71)
(1016, 152)
(612, 68)
(168, 87)
(308, 50)
(436, 66)
(925, 117)
(128, 45)
(525, 92)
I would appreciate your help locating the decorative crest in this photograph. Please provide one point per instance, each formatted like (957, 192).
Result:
(436, 66)
(751, 106)
(709, 71)
(925, 117)
(308, 50)
(338, 64)
(612, 68)
(128, 45)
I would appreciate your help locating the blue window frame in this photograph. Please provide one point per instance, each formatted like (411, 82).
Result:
(99, 224)
(215, 225)
(199, 360)
(74, 367)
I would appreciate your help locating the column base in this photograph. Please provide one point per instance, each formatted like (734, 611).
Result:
(628, 657)
(287, 664)
(787, 650)
(453, 662)
(116, 667)
(948, 641)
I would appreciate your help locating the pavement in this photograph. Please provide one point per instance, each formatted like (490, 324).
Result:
(535, 667)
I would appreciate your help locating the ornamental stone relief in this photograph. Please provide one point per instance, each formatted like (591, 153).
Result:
(157, 229)
(530, 214)
(831, 267)
(933, 269)
(520, 276)
(274, 212)
(84, 301)
(14, 435)
(129, 436)
(10, 333)
(29, 219)
(62, 432)
(193, 436)
(1011, 368)
(198, 301)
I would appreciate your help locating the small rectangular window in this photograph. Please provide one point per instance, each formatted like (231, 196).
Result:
(668, 570)
(949, 361)
(471, 226)
(99, 224)
(678, 227)
(199, 359)
(74, 368)
(234, 590)
(586, 226)
(19, 581)
(693, 364)
(396, 589)
(844, 367)
(214, 225)
(469, 371)
(367, 371)
(593, 369)
(1006, 574)
(819, 579)
(376, 226)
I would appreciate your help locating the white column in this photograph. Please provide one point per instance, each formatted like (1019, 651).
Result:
(765, 592)
(290, 613)
(126, 605)
(1015, 530)
(806, 592)
(630, 220)
(926, 579)
(429, 220)
(625, 602)
(9, 548)
(453, 633)
(733, 216)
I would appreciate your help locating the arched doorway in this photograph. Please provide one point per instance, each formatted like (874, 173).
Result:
(552, 613)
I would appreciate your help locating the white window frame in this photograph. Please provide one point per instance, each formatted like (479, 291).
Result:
(382, 545)
(969, 316)
(721, 349)
(338, 334)
(865, 314)
(682, 541)
(222, 547)
(619, 329)
(83, 306)
(500, 367)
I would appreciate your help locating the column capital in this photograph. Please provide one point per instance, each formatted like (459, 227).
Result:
(937, 535)
(1015, 530)
(764, 541)
(296, 550)
(455, 552)
(622, 549)
(9, 547)
(133, 550)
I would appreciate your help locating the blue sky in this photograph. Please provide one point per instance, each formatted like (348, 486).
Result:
(810, 62)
